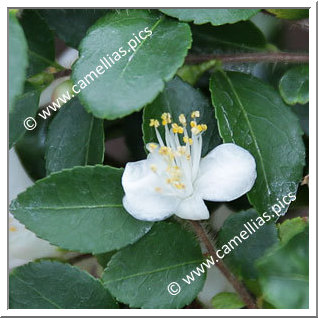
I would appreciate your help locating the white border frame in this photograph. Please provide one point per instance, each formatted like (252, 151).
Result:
(312, 162)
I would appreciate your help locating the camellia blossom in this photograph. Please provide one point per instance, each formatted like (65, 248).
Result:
(25, 247)
(174, 179)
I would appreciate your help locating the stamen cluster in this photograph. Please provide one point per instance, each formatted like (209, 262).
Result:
(181, 160)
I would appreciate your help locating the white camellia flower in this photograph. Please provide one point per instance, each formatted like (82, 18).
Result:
(25, 247)
(174, 179)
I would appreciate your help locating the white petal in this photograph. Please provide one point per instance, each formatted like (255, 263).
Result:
(25, 247)
(226, 173)
(192, 208)
(144, 199)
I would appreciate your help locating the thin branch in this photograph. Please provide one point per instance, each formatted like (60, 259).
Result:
(238, 286)
(271, 57)
(79, 258)
(62, 73)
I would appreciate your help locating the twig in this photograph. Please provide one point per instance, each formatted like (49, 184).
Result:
(62, 73)
(79, 258)
(271, 57)
(238, 286)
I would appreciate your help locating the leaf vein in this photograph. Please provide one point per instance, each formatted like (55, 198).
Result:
(252, 132)
(38, 292)
(154, 271)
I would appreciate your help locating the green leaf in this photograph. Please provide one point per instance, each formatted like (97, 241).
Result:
(80, 209)
(53, 285)
(71, 25)
(18, 59)
(104, 258)
(243, 254)
(291, 227)
(26, 106)
(75, 138)
(192, 73)
(178, 98)
(302, 112)
(140, 70)
(139, 274)
(213, 16)
(40, 41)
(227, 301)
(31, 148)
(226, 39)
(291, 14)
(284, 273)
(294, 85)
(251, 114)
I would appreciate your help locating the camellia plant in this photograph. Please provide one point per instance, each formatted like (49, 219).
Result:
(161, 144)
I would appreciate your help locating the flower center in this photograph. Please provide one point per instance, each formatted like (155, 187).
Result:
(175, 162)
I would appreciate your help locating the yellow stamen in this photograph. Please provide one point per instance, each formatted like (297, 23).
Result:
(199, 128)
(196, 130)
(153, 168)
(187, 140)
(182, 120)
(174, 172)
(166, 118)
(177, 129)
(195, 114)
(182, 150)
(179, 185)
(158, 189)
(193, 124)
(154, 123)
(152, 146)
(166, 151)
(12, 229)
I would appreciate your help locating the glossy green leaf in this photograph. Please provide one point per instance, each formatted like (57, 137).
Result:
(104, 258)
(53, 285)
(75, 138)
(291, 227)
(31, 148)
(284, 273)
(226, 39)
(302, 112)
(18, 59)
(178, 98)
(213, 16)
(140, 70)
(192, 73)
(251, 114)
(71, 25)
(227, 301)
(26, 106)
(80, 209)
(40, 41)
(139, 274)
(291, 14)
(294, 85)
(241, 254)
